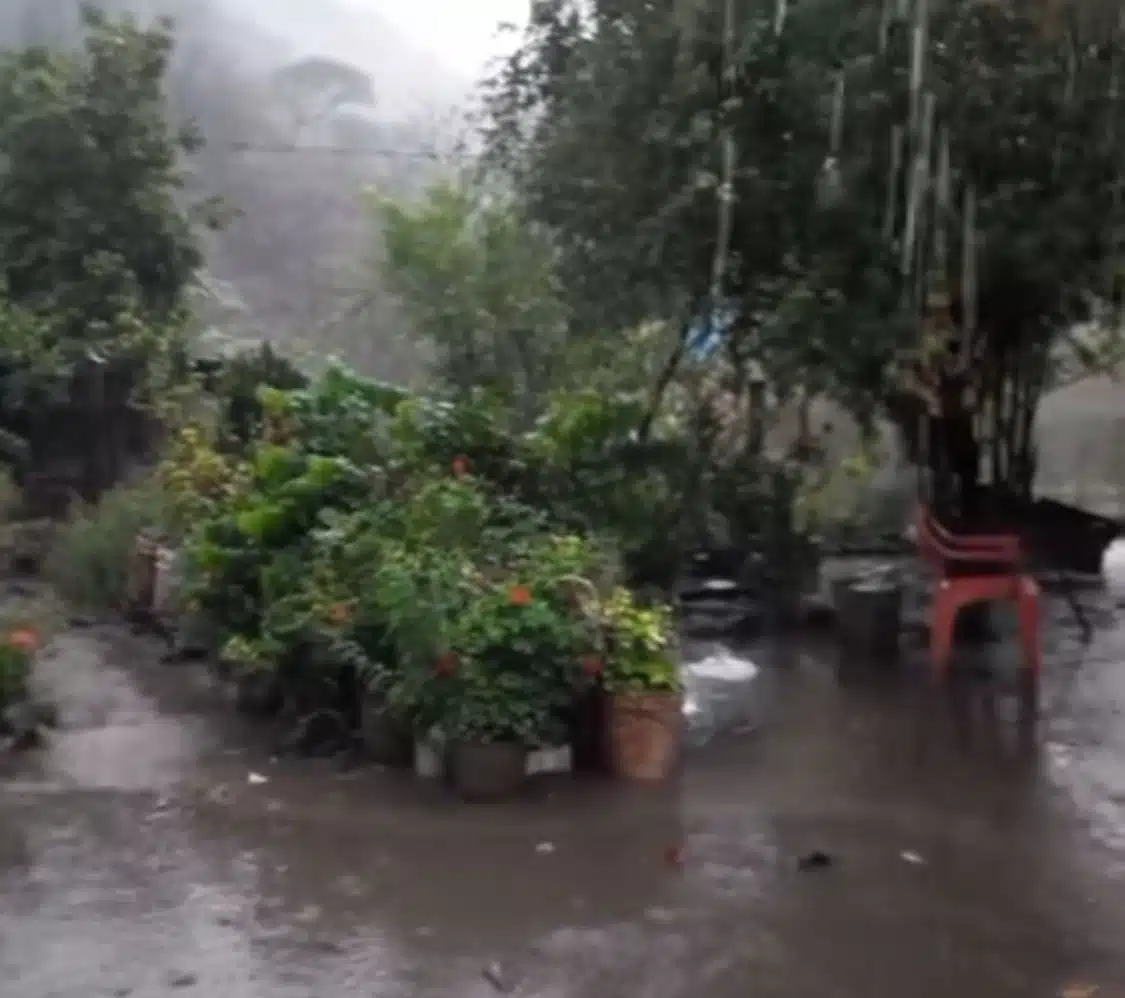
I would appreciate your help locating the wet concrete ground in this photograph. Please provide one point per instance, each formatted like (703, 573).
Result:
(139, 858)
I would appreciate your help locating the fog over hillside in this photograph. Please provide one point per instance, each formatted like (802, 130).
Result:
(301, 103)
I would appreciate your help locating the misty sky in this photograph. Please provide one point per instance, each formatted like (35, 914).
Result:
(461, 33)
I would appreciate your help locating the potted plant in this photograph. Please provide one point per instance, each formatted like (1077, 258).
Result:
(16, 656)
(257, 689)
(508, 676)
(490, 725)
(644, 703)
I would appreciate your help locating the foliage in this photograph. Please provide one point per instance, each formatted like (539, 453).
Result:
(255, 540)
(239, 387)
(339, 413)
(89, 558)
(94, 242)
(193, 477)
(612, 120)
(432, 588)
(479, 285)
(639, 646)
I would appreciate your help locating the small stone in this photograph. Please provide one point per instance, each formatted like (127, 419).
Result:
(183, 980)
(545, 848)
(911, 857)
(25, 741)
(21, 722)
(47, 714)
(815, 860)
(495, 976)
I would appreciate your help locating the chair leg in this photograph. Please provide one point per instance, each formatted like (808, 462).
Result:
(943, 625)
(1030, 617)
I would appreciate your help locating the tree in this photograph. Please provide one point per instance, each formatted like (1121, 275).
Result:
(93, 238)
(313, 89)
(479, 287)
(613, 122)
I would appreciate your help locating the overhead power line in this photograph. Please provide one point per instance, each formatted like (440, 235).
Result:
(292, 149)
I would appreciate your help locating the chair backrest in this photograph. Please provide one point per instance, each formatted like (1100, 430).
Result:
(940, 548)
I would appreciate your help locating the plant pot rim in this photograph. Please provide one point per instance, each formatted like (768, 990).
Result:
(646, 694)
(498, 743)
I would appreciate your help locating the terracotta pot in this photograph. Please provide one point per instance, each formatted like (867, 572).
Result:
(644, 731)
(480, 771)
(386, 741)
(140, 589)
(167, 585)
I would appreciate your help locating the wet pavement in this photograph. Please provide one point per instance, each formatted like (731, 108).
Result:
(139, 856)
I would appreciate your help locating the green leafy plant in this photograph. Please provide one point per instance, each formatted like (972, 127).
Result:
(639, 656)
(195, 479)
(512, 665)
(273, 516)
(239, 393)
(247, 656)
(487, 705)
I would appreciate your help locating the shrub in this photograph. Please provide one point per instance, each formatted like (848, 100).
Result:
(88, 563)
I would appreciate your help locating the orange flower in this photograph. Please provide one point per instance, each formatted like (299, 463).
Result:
(446, 665)
(340, 613)
(25, 639)
(593, 666)
(461, 467)
(520, 596)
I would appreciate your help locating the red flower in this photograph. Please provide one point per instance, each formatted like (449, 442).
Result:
(446, 664)
(25, 639)
(461, 467)
(674, 857)
(593, 666)
(520, 596)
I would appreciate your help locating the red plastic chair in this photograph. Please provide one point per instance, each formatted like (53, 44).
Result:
(974, 569)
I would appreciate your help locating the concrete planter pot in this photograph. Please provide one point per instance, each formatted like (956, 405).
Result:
(553, 760)
(386, 741)
(430, 756)
(432, 759)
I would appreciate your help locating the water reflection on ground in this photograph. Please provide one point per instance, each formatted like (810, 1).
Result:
(139, 857)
